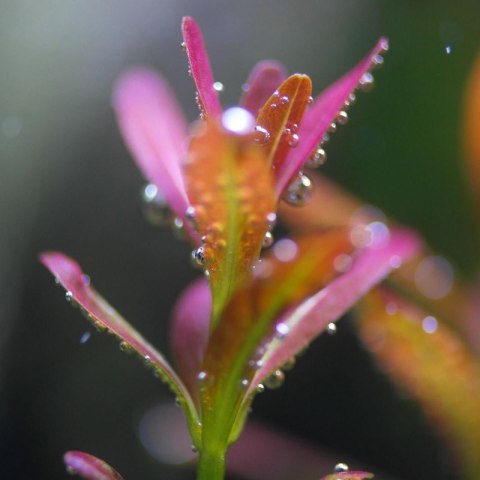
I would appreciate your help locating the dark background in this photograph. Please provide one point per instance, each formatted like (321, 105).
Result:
(67, 183)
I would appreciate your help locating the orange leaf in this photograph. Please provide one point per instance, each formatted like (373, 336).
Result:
(230, 190)
(281, 115)
(431, 363)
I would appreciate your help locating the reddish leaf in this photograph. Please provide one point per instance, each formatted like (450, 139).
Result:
(310, 318)
(69, 274)
(280, 117)
(323, 112)
(427, 360)
(89, 467)
(155, 131)
(265, 77)
(293, 271)
(230, 189)
(200, 68)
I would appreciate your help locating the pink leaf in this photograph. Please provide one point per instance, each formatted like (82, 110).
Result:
(312, 316)
(200, 67)
(190, 329)
(350, 475)
(89, 467)
(154, 130)
(264, 79)
(323, 112)
(69, 274)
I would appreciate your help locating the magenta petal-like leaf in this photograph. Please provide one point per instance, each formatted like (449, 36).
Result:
(323, 112)
(69, 274)
(154, 130)
(263, 80)
(89, 467)
(349, 475)
(200, 67)
(311, 317)
(189, 333)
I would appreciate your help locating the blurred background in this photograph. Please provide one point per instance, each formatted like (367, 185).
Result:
(68, 183)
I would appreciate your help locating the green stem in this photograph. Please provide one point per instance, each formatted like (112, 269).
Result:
(211, 465)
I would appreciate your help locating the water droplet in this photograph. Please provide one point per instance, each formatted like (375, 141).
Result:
(284, 100)
(299, 192)
(325, 139)
(448, 49)
(273, 106)
(366, 82)
(70, 470)
(293, 140)
(198, 257)
(238, 120)
(261, 136)
(244, 383)
(275, 380)
(85, 337)
(340, 467)
(342, 263)
(194, 448)
(191, 216)
(260, 388)
(310, 99)
(289, 364)
(331, 328)
(70, 299)
(332, 128)
(147, 361)
(377, 61)
(430, 324)
(155, 208)
(271, 220)
(318, 158)
(125, 347)
(285, 250)
(57, 281)
(178, 402)
(267, 240)
(218, 87)
(183, 46)
(281, 330)
(202, 376)
(189, 72)
(342, 117)
(434, 277)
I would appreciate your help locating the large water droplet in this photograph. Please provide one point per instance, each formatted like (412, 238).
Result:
(318, 158)
(299, 192)
(275, 380)
(281, 330)
(366, 82)
(198, 257)
(261, 136)
(340, 467)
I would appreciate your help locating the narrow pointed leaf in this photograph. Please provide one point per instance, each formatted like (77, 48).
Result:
(280, 117)
(293, 271)
(324, 111)
(311, 317)
(430, 362)
(89, 467)
(189, 332)
(264, 79)
(70, 275)
(154, 130)
(200, 68)
(231, 191)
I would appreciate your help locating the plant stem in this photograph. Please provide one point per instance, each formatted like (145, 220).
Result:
(211, 465)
